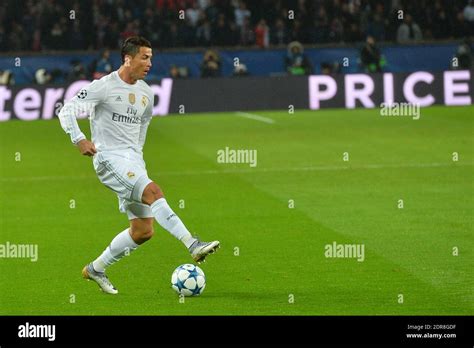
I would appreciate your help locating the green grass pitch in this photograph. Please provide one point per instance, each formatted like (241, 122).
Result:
(423, 251)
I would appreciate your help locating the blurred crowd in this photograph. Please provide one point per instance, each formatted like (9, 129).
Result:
(36, 25)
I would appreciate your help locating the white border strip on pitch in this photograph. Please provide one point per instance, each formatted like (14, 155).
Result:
(255, 117)
(255, 170)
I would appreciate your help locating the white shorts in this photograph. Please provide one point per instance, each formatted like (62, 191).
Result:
(125, 174)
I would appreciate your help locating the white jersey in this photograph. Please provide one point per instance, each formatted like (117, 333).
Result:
(119, 113)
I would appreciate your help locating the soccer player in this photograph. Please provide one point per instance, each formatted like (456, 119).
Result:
(120, 106)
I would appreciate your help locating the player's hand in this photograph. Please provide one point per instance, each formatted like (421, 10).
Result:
(86, 147)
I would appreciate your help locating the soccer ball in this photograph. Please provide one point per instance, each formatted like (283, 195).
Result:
(188, 280)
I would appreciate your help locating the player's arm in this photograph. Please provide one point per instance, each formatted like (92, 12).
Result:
(145, 122)
(84, 102)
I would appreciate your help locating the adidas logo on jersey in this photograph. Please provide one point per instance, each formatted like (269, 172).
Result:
(118, 99)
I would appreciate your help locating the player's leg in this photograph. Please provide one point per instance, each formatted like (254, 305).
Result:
(153, 196)
(140, 230)
(120, 246)
(166, 217)
(121, 175)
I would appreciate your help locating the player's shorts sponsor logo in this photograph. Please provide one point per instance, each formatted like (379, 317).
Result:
(130, 174)
(125, 119)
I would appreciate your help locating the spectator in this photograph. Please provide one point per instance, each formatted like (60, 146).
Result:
(330, 68)
(234, 37)
(204, 33)
(464, 55)
(57, 37)
(6, 78)
(408, 31)
(296, 62)
(262, 34)
(376, 27)
(211, 65)
(172, 37)
(130, 30)
(178, 72)
(17, 40)
(174, 72)
(442, 25)
(241, 13)
(320, 31)
(240, 70)
(112, 35)
(353, 34)
(187, 34)
(3, 39)
(297, 32)
(469, 11)
(42, 77)
(44, 24)
(461, 27)
(336, 30)
(77, 71)
(36, 42)
(279, 33)
(247, 36)
(193, 14)
(203, 4)
(104, 65)
(151, 27)
(212, 12)
(370, 56)
(76, 37)
(222, 35)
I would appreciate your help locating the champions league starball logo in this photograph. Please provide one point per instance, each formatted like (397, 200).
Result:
(82, 94)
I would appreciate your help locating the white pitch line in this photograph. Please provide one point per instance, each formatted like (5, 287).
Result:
(255, 117)
(252, 170)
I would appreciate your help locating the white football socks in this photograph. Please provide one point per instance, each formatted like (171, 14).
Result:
(171, 222)
(123, 244)
(120, 246)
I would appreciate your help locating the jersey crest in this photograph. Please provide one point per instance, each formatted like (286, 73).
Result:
(144, 101)
(131, 98)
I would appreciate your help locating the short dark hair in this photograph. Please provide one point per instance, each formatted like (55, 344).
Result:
(132, 45)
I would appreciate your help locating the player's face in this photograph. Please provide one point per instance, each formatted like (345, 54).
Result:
(141, 63)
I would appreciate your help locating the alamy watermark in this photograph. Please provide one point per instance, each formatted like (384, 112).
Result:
(400, 109)
(345, 251)
(37, 331)
(228, 155)
(21, 251)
